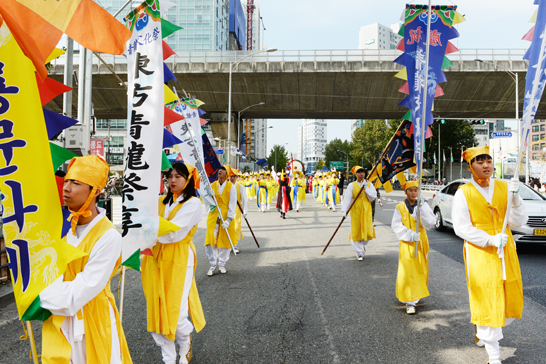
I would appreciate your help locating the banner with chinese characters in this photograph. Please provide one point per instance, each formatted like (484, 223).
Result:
(415, 57)
(191, 148)
(145, 114)
(31, 209)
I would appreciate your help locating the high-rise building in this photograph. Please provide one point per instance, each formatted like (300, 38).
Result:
(314, 137)
(299, 145)
(538, 139)
(256, 26)
(237, 26)
(378, 36)
(355, 124)
(256, 145)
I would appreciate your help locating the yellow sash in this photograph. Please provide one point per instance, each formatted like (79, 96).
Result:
(223, 202)
(491, 299)
(412, 277)
(163, 277)
(98, 333)
(361, 216)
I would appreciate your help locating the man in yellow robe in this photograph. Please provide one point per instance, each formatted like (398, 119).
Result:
(491, 262)
(85, 326)
(242, 203)
(297, 194)
(217, 243)
(362, 229)
(262, 192)
(412, 277)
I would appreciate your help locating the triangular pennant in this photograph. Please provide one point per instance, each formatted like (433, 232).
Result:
(168, 28)
(199, 102)
(55, 123)
(450, 48)
(407, 116)
(439, 92)
(401, 59)
(165, 164)
(403, 75)
(167, 51)
(171, 117)
(529, 35)
(458, 18)
(169, 139)
(166, 227)
(453, 33)
(428, 134)
(49, 89)
(167, 74)
(400, 46)
(147, 252)
(388, 187)
(201, 112)
(59, 155)
(57, 52)
(66, 222)
(527, 54)
(446, 63)
(60, 184)
(169, 95)
(406, 102)
(179, 158)
(401, 31)
(405, 88)
(203, 121)
(133, 261)
(401, 178)
(534, 17)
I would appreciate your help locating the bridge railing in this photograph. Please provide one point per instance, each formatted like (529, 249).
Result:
(342, 55)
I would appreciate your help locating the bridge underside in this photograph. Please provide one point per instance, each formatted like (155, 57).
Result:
(321, 90)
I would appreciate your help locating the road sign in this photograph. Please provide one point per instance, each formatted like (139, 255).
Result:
(337, 164)
(501, 134)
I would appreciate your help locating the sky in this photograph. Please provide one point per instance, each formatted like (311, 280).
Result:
(327, 25)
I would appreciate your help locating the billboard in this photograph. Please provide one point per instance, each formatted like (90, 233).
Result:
(237, 22)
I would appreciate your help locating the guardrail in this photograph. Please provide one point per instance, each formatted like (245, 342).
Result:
(428, 187)
(342, 55)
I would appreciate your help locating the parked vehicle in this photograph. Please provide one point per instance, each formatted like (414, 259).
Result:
(535, 205)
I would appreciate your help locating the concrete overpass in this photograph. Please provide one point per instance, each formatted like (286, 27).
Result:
(330, 84)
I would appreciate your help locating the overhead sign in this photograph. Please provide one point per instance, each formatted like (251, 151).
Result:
(501, 134)
(337, 164)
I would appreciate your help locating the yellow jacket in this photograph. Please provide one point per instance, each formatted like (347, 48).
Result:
(361, 216)
(223, 203)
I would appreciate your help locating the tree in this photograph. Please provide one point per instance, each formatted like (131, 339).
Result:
(336, 150)
(319, 165)
(282, 157)
(370, 140)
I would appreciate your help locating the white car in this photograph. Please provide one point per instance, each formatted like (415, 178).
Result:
(535, 205)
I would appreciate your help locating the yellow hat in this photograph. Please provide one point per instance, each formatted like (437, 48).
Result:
(229, 170)
(410, 184)
(355, 169)
(195, 175)
(91, 170)
(472, 153)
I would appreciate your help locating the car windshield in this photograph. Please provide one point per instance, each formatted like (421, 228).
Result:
(527, 193)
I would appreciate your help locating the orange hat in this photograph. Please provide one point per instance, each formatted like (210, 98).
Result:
(195, 175)
(410, 184)
(355, 169)
(91, 170)
(229, 170)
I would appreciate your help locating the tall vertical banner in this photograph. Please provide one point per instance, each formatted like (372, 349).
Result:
(31, 209)
(145, 116)
(414, 60)
(536, 76)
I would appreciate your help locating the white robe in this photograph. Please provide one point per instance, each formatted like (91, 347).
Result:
(67, 298)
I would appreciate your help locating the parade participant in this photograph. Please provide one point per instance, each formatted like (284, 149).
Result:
(217, 243)
(315, 187)
(412, 277)
(322, 181)
(297, 195)
(263, 192)
(362, 229)
(341, 184)
(326, 187)
(241, 199)
(85, 326)
(272, 189)
(168, 275)
(493, 279)
(284, 204)
(333, 192)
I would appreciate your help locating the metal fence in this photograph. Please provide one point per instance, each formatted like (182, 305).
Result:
(342, 55)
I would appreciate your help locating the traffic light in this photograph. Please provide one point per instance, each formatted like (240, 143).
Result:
(479, 122)
(443, 121)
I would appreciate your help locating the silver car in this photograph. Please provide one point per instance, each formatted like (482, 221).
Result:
(535, 205)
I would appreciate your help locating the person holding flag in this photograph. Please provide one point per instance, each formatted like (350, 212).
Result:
(491, 261)
(85, 325)
(362, 229)
(168, 272)
(241, 203)
(217, 242)
(412, 277)
(298, 190)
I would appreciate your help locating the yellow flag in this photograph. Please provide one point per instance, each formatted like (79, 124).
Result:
(403, 75)
(32, 216)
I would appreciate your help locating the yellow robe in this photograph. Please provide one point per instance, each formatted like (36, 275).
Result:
(361, 216)
(238, 220)
(332, 186)
(321, 191)
(98, 335)
(223, 203)
(491, 299)
(412, 277)
(301, 190)
(272, 188)
(163, 275)
(263, 193)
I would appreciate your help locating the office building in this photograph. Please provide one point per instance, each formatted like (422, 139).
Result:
(256, 145)
(538, 140)
(355, 124)
(482, 134)
(237, 26)
(256, 26)
(378, 36)
(299, 144)
(314, 137)
(114, 134)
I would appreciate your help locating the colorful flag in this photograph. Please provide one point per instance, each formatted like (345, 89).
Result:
(212, 164)
(145, 113)
(419, 79)
(32, 214)
(38, 26)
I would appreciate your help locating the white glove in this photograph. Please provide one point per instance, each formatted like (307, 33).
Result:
(498, 240)
(225, 225)
(416, 236)
(245, 214)
(345, 214)
(513, 186)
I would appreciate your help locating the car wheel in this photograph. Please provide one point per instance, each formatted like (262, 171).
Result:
(439, 221)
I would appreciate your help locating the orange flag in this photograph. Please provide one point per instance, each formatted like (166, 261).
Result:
(38, 26)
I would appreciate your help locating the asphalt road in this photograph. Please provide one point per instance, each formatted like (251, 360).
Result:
(285, 303)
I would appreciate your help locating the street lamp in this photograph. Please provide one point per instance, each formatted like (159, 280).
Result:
(231, 64)
(514, 77)
(239, 124)
(347, 154)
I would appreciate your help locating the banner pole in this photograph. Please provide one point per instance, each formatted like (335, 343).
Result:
(32, 342)
(423, 133)
(122, 294)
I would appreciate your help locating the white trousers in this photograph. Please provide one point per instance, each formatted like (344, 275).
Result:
(216, 255)
(491, 337)
(184, 327)
(262, 206)
(358, 246)
(412, 303)
(297, 205)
